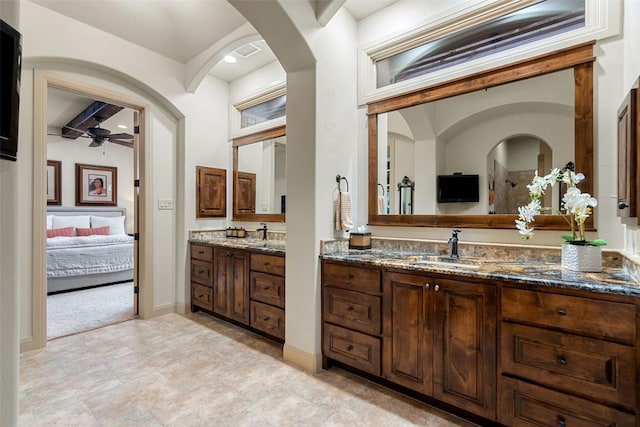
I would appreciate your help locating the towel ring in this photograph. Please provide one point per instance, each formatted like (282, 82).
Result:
(340, 178)
(381, 186)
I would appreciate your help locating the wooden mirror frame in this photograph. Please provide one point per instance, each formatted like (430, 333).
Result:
(245, 140)
(580, 58)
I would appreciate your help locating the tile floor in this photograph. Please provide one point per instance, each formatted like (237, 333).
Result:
(196, 370)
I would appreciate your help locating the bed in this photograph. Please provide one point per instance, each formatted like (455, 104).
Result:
(87, 247)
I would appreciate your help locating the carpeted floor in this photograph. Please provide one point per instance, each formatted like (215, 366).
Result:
(79, 311)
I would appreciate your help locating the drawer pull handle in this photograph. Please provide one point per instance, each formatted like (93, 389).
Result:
(200, 271)
(562, 361)
(426, 286)
(349, 276)
(350, 347)
(266, 288)
(200, 252)
(350, 308)
(561, 422)
(436, 287)
(266, 319)
(608, 366)
(266, 263)
(562, 312)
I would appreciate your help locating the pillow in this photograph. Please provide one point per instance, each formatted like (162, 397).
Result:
(79, 221)
(60, 232)
(49, 222)
(115, 223)
(93, 231)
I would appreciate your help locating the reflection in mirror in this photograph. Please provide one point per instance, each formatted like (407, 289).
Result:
(510, 167)
(259, 170)
(503, 134)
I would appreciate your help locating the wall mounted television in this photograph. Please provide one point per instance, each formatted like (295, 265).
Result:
(458, 188)
(11, 60)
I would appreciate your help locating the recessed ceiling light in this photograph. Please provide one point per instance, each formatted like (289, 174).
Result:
(122, 126)
(230, 59)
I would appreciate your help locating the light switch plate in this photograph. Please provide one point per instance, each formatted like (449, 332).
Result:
(165, 204)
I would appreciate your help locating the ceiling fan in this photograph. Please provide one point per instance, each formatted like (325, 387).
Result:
(99, 134)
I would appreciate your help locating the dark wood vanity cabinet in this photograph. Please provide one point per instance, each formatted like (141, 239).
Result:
(351, 313)
(231, 284)
(240, 285)
(201, 277)
(567, 359)
(439, 338)
(434, 336)
(267, 293)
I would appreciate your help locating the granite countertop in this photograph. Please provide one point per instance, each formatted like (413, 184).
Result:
(273, 247)
(544, 273)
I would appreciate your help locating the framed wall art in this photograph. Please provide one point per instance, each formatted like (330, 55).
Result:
(54, 187)
(96, 185)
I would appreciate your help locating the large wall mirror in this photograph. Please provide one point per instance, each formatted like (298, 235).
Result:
(260, 176)
(480, 139)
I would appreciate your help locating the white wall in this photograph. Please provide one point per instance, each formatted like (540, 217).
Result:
(631, 73)
(72, 151)
(9, 266)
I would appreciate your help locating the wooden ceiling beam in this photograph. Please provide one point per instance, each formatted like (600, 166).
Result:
(87, 118)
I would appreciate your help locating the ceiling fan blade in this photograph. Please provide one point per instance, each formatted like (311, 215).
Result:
(121, 136)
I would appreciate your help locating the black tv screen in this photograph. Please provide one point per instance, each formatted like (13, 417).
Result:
(10, 68)
(458, 188)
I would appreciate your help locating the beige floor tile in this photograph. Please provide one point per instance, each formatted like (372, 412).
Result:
(197, 370)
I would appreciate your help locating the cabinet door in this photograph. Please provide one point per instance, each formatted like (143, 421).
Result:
(627, 156)
(211, 194)
(238, 286)
(407, 341)
(220, 271)
(465, 337)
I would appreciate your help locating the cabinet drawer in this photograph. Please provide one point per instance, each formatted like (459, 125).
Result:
(267, 319)
(204, 253)
(201, 272)
(353, 310)
(586, 366)
(353, 348)
(267, 288)
(524, 404)
(582, 315)
(268, 264)
(352, 278)
(202, 296)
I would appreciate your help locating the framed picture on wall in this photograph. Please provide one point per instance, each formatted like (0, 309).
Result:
(96, 185)
(54, 188)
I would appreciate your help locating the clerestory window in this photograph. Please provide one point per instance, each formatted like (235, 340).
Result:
(541, 20)
(264, 111)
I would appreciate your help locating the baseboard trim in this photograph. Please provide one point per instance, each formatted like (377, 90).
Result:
(26, 344)
(163, 309)
(183, 308)
(307, 361)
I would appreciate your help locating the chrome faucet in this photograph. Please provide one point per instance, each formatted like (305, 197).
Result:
(264, 230)
(453, 242)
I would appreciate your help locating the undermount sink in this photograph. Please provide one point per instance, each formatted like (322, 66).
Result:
(444, 260)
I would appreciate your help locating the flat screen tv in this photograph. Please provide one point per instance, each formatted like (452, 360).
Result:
(458, 188)
(10, 68)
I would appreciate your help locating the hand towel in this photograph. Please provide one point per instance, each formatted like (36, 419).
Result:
(344, 220)
(381, 210)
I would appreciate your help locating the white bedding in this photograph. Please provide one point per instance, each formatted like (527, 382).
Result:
(75, 256)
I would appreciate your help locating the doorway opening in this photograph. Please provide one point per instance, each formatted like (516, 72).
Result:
(114, 211)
